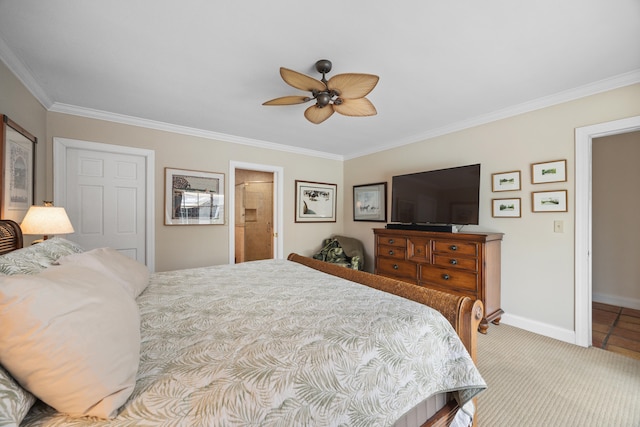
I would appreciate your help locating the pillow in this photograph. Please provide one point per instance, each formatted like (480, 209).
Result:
(131, 274)
(35, 258)
(15, 401)
(71, 336)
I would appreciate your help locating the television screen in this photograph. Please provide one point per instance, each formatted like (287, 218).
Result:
(445, 196)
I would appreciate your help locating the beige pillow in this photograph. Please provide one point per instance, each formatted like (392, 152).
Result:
(131, 274)
(71, 336)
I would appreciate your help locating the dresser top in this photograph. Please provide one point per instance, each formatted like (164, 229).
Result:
(470, 236)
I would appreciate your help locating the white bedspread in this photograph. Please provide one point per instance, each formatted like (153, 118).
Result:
(274, 343)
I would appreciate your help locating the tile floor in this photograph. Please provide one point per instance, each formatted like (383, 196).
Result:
(616, 329)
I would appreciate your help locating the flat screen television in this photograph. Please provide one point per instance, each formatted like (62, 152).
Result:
(444, 196)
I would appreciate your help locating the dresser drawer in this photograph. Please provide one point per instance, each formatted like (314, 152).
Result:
(418, 249)
(453, 247)
(394, 252)
(392, 241)
(401, 270)
(451, 261)
(449, 277)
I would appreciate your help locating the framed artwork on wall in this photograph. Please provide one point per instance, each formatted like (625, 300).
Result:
(505, 181)
(506, 208)
(553, 171)
(549, 201)
(193, 197)
(17, 157)
(315, 201)
(370, 202)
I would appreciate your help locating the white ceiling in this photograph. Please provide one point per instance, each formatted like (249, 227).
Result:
(204, 67)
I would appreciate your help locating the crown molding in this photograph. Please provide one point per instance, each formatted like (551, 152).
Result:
(22, 73)
(594, 88)
(184, 130)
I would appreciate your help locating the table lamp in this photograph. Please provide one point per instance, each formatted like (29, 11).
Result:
(46, 220)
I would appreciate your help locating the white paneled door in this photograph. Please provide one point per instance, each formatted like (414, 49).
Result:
(104, 191)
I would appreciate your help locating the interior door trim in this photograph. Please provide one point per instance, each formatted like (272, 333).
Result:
(278, 205)
(583, 220)
(60, 147)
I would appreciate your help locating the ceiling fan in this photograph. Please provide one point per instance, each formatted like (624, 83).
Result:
(344, 93)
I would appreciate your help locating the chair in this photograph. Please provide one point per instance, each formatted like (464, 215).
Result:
(344, 251)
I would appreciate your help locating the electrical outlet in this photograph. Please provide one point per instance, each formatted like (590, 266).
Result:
(558, 226)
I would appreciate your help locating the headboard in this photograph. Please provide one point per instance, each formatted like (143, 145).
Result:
(10, 236)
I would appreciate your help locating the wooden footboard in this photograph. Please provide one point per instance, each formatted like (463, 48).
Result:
(463, 313)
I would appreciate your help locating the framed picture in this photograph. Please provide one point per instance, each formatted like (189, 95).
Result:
(554, 171)
(193, 197)
(505, 181)
(17, 157)
(506, 208)
(315, 201)
(370, 202)
(549, 201)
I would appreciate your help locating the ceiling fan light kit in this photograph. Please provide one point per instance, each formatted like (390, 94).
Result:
(342, 93)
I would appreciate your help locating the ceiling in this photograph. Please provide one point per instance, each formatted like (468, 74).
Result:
(205, 67)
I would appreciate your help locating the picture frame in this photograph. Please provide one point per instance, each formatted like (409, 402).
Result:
(506, 208)
(17, 157)
(505, 181)
(193, 197)
(315, 201)
(370, 202)
(549, 201)
(552, 171)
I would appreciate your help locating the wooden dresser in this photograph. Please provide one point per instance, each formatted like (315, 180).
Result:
(460, 263)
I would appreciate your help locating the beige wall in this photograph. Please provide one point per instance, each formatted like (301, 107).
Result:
(191, 246)
(616, 211)
(537, 263)
(19, 105)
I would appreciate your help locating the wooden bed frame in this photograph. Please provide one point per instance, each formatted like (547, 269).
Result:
(463, 313)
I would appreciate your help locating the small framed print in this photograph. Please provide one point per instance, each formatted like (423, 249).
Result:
(315, 201)
(506, 208)
(554, 171)
(505, 181)
(549, 201)
(370, 202)
(193, 197)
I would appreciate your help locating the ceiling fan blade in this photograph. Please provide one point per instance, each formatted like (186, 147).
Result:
(288, 100)
(318, 115)
(301, 81)
(353, 85)
(356, 107)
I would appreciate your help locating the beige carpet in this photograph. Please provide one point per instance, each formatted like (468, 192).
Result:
(538, 381)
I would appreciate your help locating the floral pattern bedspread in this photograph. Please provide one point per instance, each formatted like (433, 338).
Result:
(274, 343)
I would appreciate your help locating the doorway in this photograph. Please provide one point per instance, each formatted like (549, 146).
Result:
(583, 220)
(253, 215)
(249, 197)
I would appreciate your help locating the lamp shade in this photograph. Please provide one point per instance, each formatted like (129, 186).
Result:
(46, 220)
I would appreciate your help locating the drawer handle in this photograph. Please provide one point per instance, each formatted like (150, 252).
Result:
(453, 247)
(453, 261)
(445, 276)
(395, 266)
(390, 252)
(391, 241)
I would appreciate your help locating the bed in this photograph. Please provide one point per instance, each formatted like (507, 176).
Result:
(274, 343)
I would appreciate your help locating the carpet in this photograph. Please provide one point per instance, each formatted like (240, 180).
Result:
(538, 381)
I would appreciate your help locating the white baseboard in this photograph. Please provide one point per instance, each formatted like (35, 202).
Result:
(537, 327)
(617, 300)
